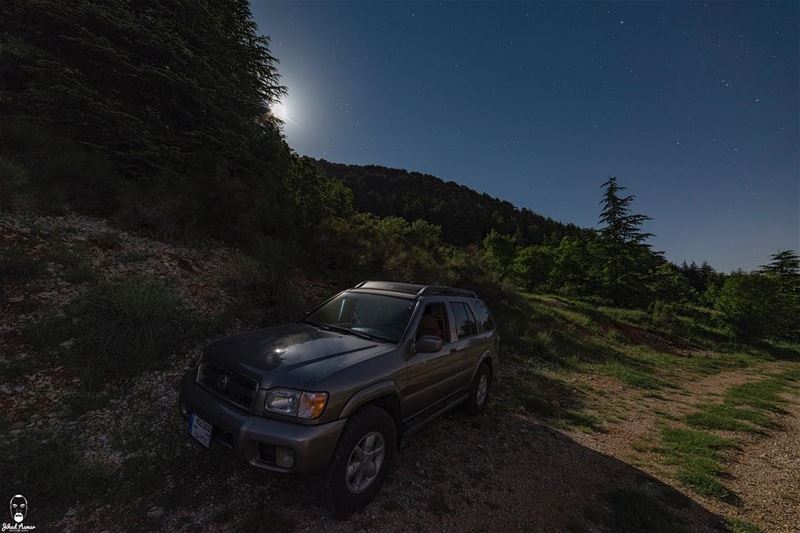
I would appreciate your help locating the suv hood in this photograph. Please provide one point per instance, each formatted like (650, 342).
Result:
(292, 355)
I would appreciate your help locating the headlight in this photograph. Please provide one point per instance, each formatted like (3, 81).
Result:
(296, 403)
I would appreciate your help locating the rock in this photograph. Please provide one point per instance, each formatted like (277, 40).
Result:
(16, 299)
(155, 513)
(68, 344)
(71, 512)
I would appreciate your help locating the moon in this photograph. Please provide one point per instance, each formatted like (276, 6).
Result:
(280, 110)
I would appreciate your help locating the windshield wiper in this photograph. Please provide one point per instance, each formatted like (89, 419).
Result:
(347, 331)
(328, 327)
(371, 336)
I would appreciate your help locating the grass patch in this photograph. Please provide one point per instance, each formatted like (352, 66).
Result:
(729, 418)
(763, 395)
(740, 526)
(630, 376)
(745, 408)
(117, 330)
(698, 456)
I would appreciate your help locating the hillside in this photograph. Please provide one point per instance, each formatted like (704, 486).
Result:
(465, 215)
(602, 419)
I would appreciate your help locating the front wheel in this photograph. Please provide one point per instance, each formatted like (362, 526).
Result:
(361, 460)
(479, 390)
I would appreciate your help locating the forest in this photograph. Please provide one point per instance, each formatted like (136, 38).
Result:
(465, 216)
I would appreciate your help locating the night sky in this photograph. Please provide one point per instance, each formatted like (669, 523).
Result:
(693, 106)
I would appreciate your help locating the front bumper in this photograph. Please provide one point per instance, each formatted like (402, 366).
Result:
(254, 438)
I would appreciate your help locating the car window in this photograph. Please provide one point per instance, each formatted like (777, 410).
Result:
(434, 322)
(485, 322)
(463, 319)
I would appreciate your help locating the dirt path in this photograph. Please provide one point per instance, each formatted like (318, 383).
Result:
(643, 410)
(764, 471)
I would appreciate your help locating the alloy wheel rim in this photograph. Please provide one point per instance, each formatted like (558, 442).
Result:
(365, 462)
(483, 389)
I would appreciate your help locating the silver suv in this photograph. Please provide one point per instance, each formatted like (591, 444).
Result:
(335, 391)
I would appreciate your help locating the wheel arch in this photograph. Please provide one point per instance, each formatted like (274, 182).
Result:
(383, 394)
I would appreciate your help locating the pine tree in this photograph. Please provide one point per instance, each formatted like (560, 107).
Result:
(785, 268)
(628, 261)
(621, 228)
(174, 93)
(786, 265)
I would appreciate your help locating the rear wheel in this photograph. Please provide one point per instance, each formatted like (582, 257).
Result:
(479, 390)
(361, 460)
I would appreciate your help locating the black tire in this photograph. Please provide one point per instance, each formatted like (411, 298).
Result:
(476, 402)
(338, 491)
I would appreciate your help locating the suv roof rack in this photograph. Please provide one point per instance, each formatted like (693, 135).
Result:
(419, 290)
(439, 290)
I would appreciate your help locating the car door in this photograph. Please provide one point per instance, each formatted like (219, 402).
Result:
(428, 377)
(468, 344)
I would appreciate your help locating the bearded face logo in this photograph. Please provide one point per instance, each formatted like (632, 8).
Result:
(18, 507)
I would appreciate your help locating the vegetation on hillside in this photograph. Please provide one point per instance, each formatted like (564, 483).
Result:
(465, 216)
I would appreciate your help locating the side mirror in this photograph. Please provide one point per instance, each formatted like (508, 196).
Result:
(428, 344)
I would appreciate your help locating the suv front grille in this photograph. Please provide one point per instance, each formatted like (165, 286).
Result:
(234, 387)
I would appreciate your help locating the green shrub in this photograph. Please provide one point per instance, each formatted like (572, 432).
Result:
(117, 330)
(750, 305)
(500, 252)
(532, 266)
(366, 246)
(274, 288)
(664, 314)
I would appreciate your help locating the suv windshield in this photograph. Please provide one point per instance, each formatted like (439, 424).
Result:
(372, 315)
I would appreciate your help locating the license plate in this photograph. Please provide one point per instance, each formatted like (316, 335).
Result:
(200, 430)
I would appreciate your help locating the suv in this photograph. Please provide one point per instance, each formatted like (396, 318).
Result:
(336, 390)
